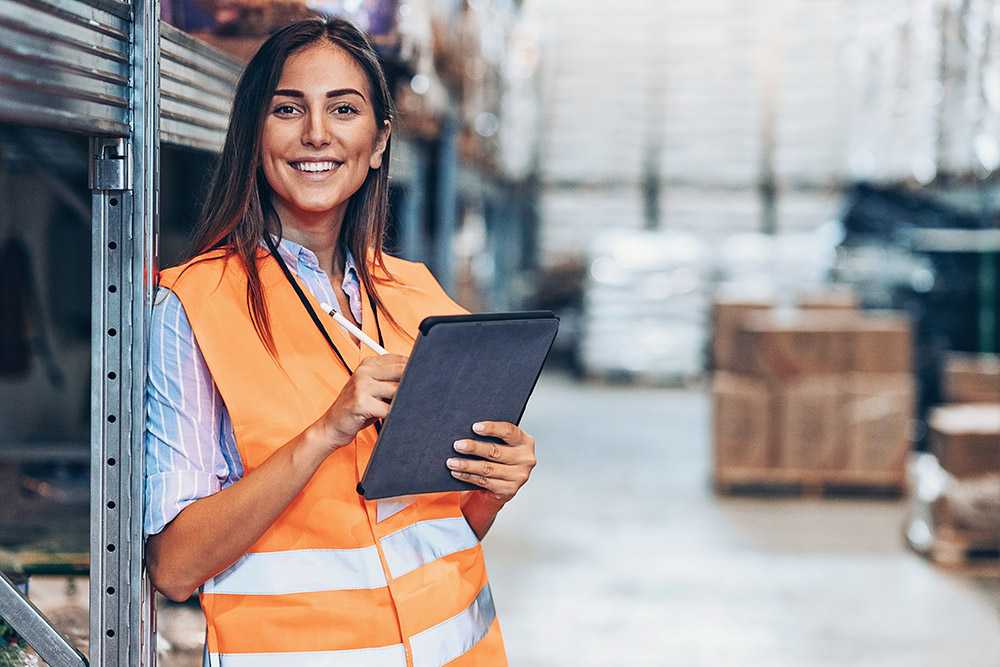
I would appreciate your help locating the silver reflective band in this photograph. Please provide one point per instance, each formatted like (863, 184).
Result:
(390, 507)
(450, 639)
(426, 541)
(300, 571)
(385, 656)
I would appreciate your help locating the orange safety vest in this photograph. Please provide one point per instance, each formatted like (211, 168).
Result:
(336, 580)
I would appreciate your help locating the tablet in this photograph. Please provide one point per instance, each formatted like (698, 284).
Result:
(462, 369)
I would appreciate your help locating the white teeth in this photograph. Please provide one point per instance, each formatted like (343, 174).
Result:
(313, 166)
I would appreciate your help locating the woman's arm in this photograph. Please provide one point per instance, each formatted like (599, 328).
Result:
(213, 532)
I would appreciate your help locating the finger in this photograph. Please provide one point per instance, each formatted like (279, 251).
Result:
(382, 390)
(489, 450)
(504, 430)
(385, 369)
(374, 408)
(500, 488)
(487, 469)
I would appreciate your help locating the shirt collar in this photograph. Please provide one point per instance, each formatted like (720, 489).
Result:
(293, 253)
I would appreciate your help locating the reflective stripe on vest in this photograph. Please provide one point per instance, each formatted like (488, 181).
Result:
(335, 580)
(433, 647)
(425, 541)
(316, 570)
(386, 656)
(452, 638)
(300, 571)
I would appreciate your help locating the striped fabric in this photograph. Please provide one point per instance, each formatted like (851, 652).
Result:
(190, 448)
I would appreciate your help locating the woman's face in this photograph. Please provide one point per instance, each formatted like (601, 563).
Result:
(320, 137)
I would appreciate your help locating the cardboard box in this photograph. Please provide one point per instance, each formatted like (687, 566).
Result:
(966, 438)
(971, 378)
(786, 345)
(727, 319)
(970, 505)
(741, 422)
(877, 414)
(789, 344)
(729, 315)
(835, 299)
(880, 343)
(805, 423)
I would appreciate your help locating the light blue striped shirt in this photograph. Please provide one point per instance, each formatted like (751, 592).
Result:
(190, 447)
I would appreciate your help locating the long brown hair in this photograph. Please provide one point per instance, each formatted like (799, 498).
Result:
(238, 212)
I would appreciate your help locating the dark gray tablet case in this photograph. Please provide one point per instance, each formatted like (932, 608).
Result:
(463, 369)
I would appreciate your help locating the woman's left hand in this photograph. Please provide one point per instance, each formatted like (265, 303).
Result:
(504, 468)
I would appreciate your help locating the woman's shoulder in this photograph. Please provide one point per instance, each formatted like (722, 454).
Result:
(414, 275)
(205, 268)
(419, 288)
(401, 271)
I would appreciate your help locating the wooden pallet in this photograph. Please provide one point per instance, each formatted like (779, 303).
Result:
(808, 483)
(951, 547)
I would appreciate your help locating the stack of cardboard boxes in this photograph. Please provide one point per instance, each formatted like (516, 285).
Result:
(820, 393)
(965, 438)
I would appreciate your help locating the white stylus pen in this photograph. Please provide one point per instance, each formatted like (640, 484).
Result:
(356, 332)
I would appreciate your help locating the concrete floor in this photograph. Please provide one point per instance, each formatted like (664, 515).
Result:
(618, 553)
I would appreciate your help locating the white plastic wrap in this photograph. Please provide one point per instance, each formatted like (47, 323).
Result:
(646, 301)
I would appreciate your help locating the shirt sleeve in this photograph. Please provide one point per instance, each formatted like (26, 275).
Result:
(190, 449)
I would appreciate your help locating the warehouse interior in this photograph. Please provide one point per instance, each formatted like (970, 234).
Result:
(768, 432)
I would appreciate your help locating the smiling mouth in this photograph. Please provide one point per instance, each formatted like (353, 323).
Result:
(315, 167)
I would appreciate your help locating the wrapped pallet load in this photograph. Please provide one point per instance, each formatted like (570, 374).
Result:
(813, 395)
(956, 510)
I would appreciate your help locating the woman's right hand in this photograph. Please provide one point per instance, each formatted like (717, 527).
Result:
(363, 400)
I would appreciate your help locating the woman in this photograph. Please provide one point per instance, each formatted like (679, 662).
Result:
(261, 413)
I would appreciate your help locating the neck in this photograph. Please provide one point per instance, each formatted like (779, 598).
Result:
(319, 233)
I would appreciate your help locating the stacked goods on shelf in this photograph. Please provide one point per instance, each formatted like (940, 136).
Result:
(957, 512)
(822, 394)
(645, 305)
(240, 26)
(971, 378)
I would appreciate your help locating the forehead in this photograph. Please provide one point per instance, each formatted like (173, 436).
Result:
(322, 67)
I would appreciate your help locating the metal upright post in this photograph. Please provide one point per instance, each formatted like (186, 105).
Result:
(446, 202)
(412, 244)
(124, 185)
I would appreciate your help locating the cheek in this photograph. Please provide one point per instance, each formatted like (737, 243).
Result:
(271, 174)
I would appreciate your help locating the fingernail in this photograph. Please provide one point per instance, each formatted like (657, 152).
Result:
(461, 445)
(478, 427)
(456, 474)
(452, 463)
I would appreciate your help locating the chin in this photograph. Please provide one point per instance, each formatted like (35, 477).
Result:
(315, 205)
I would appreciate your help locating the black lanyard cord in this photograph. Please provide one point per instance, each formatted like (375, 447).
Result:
(312, 312)
(315, 318)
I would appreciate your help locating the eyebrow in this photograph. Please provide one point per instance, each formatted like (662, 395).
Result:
(291, 92)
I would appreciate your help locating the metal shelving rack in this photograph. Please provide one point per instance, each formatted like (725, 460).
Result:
(112, 71)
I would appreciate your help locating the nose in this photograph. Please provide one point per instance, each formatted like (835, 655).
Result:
(316, 132)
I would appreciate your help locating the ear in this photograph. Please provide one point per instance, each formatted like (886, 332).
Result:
(380, 143)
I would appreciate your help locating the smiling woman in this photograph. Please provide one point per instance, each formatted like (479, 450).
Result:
(262, 416)
(321, 138)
